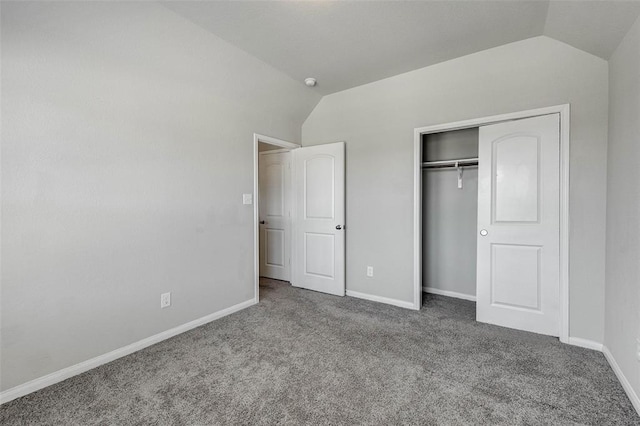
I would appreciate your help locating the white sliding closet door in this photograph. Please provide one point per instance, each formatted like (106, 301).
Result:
(319, 240)
(518, 272)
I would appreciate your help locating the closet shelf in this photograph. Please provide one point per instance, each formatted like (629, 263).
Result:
(461, 162)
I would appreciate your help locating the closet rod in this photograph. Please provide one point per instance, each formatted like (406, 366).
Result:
(462, 162)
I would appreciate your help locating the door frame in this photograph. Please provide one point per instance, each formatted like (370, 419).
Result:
(564, 112)
(288, 146)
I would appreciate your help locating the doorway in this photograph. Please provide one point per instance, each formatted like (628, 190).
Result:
(272, 215)
(299, 214)
(498, 261)
(274, 211)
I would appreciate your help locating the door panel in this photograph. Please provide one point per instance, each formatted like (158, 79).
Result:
(319, 228)
(319, 254)
(517, 170)
(275, 243)
(518, 222)
(275, 207)
(274, 180)
(515, 281)
(319, 182)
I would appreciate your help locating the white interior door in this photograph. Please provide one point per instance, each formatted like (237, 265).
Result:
(275, 215)
(319, 234)
(518, 279)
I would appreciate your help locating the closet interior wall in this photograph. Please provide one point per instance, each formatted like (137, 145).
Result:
(449, 215)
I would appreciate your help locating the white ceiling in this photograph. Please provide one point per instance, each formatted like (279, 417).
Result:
(347, 43)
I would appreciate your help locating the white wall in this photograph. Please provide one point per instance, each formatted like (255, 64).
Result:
(377, 121)
(127, 142)
(450, 214)
(622, 310)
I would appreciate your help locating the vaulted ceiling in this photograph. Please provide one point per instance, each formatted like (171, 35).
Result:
(348, 43)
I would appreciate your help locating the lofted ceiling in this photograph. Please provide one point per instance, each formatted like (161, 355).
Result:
(348, 43)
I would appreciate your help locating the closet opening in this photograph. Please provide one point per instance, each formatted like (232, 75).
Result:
(450, 213)
(491, 216)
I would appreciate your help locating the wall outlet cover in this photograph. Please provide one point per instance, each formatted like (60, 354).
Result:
(247, 199)
(165, 300)
(370, 271)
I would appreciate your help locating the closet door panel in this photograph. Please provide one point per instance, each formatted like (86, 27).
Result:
(518, 265)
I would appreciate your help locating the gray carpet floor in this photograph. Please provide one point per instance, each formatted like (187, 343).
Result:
(301, 357)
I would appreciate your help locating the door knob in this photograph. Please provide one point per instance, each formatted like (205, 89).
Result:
(484, 232)
(262, 222)
(338, 227)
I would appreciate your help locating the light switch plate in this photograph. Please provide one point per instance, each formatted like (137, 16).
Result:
(247, 199)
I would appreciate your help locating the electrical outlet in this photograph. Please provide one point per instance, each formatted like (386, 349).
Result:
(370, 271)
(247, 199)
(165, 300)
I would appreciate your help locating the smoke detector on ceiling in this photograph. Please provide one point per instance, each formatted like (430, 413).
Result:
(310, 81)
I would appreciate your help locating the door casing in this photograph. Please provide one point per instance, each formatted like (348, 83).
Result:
(564, 112)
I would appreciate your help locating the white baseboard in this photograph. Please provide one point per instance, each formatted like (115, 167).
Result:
(449, 293)
(388, 301)
(590, 344)
(584, 343)
(633, 396)
(74, 370)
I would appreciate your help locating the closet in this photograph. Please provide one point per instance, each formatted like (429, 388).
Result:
(450, 212)
(491, 220)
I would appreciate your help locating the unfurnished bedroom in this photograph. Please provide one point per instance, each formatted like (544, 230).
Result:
(320, 212)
